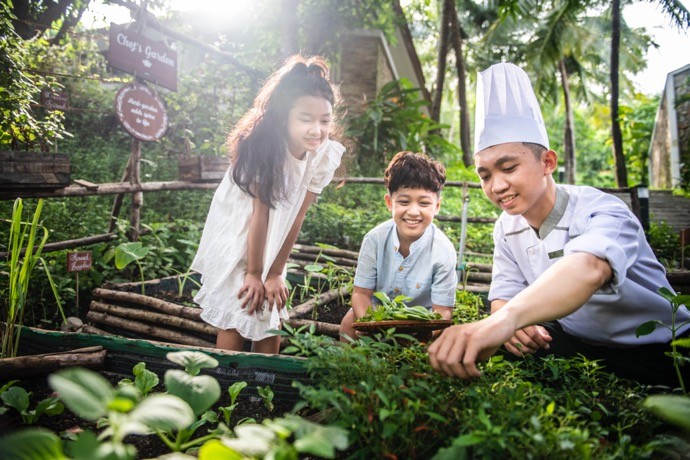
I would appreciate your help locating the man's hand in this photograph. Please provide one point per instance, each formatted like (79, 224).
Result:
(276, 291)
(528, 340)
(251, 293)
(457, 350)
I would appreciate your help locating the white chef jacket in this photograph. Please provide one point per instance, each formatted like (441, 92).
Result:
(585, 219)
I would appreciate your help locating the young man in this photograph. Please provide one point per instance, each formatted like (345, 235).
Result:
(407, 255)
(571, 258)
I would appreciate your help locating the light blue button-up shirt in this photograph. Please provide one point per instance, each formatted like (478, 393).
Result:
(427, 274)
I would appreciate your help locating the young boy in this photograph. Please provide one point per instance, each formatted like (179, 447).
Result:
(407, 255)
(571, 258)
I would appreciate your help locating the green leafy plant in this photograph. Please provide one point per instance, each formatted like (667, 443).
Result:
(267, 396)
(200, 392)
(126, 253)
(468, 307)
(676, 301)
(20, 124)
(19, 399)
(121, 411)
(393, 121)
(25, 247)
(289, 437)
(395, 309)
(144, 379)
(234, 391)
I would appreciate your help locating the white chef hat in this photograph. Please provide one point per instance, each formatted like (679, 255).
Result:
(507, 109)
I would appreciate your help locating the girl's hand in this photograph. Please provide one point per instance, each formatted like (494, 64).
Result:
(251, 293)
(276, 291)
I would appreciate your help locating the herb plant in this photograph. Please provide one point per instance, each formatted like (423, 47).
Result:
(396, 309)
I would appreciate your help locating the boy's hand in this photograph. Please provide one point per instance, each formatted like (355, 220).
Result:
(528, 340)
(251, 293)
(276, 291)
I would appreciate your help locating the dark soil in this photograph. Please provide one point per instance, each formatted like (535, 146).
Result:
(332, 312)
(67, 424)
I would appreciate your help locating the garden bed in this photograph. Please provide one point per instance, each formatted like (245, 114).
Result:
(122, 354)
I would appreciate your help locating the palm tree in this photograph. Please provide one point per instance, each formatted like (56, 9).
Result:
(679, 16)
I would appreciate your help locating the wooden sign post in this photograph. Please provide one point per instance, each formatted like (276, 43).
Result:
(78, 262)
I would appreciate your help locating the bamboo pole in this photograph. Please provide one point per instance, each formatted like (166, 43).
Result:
(33, 365)
(316, 302)
(146, 329)
(153, 317)
(151, 302)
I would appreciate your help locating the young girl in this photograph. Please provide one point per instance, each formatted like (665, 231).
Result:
(281, 159)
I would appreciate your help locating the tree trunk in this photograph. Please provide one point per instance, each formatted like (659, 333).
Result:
(441, 62)
(618, 156)
(150, 302)
(198, 327)
(456, 40)
(569, 129)
(34, 365)
(147, 330)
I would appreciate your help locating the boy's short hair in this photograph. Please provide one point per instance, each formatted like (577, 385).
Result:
(414, 170)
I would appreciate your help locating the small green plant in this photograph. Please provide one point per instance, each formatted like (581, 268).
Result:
(267, 395)
(183, 279)
(395, 309)
(19, 399)
(234, 391)
(677, 301)
(125, 254)
(144, 379)
(200, 392)
(468, 307)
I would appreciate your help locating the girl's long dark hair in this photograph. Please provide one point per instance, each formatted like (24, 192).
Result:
(258, 143)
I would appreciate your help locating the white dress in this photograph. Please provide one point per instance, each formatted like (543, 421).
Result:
(222, 255)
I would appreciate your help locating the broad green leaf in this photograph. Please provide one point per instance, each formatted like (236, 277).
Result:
(200, 392)
(192, 361)
(16, 397)
(127, 253)
(160, 412)
(673, 409)
(84, 392)
(216, 450)
(313, 268)
(32, 444)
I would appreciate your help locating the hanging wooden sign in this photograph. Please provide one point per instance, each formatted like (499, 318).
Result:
(141, 112)
(54, 100)
(78, 261)
(138, 55)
